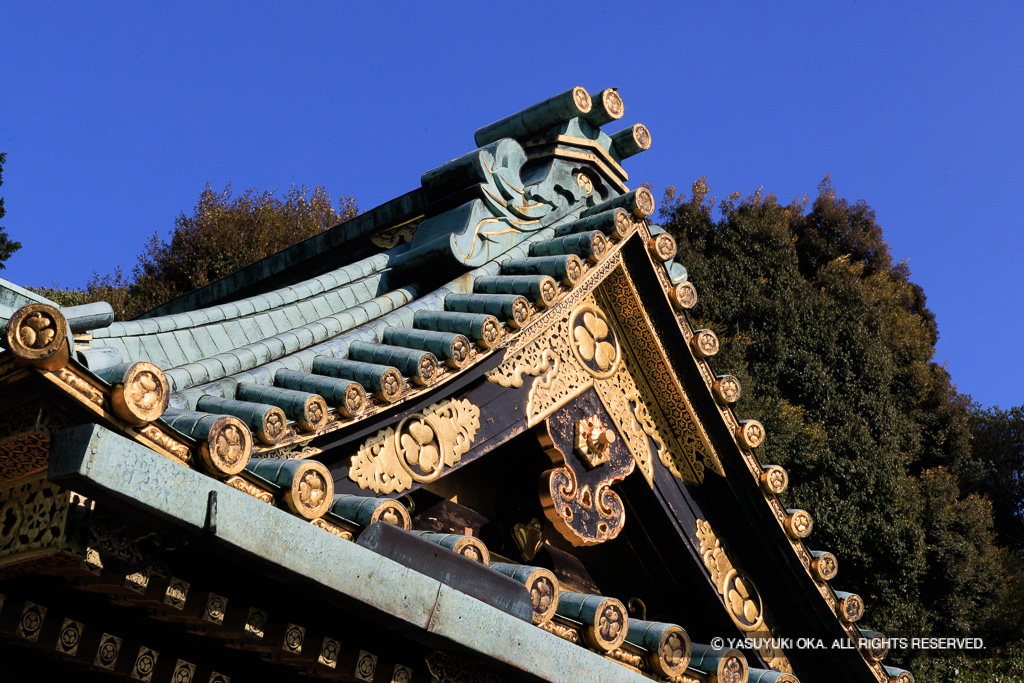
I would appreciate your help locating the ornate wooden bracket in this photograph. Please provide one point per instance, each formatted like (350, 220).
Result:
(576, 494)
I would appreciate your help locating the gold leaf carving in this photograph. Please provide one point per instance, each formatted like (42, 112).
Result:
(446, 668)
(33, 515)
(740, 595)
(246, 486)
(418, 449)
(80, 386)
(691, 452)
(166, 442)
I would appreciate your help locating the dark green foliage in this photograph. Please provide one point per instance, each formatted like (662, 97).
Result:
(222, 235)
(833, 344)
(7, 245)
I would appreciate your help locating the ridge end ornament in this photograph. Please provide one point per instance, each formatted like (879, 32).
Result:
(418, 449)
(37, 335)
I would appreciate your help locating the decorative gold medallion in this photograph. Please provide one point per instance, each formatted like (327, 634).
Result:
(228, 447)
(750, 433)
(142, 395)
(592, 441)
(726, 389)
(684, 296)
(824, 566)
(662, 247)
(37, 335)
(774, 479)
(593, 341)
(418, 449)
(799, 523)
(704, 343)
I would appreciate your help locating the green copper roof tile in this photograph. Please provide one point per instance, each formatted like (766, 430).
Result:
(231, 362)
(245, 307)
(275, 299)
(199, 374)
(230, 310)
(164, 324)
(291, 341)
(261, 351)
(281, 321)
(305, 336)
(213, 366)
(247, 357)
(251, 330)
(154, 353)
(172, 350)
(180, 320)
(321, 307)
(204, 340)
(149, 326)
(179, 378)
(276, 346)
(266, 325)
(188, 345)
(318, 330)
(120, 345)
(307, 311)
(198, 318)
(235, 333)
(259, 302)
(332, 325)
(216, 314)
(335, 300)
(220, 338)
(294, 317)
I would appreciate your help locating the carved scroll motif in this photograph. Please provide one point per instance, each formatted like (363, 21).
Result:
(33, 516)
(418, 450)
(742, 600)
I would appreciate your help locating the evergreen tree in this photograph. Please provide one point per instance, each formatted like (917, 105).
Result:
(833, 344)
(7, 245)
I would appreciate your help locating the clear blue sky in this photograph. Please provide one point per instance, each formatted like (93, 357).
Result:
(115, 115)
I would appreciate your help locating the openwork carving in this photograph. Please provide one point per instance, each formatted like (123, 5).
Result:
(689, 452)
(739, 594)
(418, 449)
(322, 523)
(576, 498)
(25, 439)
(448, 669)
(80, 386)
(37, 335)
(33, 516)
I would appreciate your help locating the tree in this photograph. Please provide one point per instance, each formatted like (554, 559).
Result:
(221, 235)
(7, 245)
(833, 345)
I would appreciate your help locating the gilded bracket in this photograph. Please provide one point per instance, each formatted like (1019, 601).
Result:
(418, 449)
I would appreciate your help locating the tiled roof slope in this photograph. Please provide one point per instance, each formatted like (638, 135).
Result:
(394, 304)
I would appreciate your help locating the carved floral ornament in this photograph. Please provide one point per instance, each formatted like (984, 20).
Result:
(594, 343)
(418, 449)
(739, 594)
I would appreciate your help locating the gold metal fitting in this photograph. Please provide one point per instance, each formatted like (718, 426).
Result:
(37, 336)
(798, 524)
(774, 479)
(228, 447)
(727, 390)
(684, 296)
(142, 394)
(824, 566)
(704, 343)
(750, 433)
(311, 492)
(392, 512)
(662, 247)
